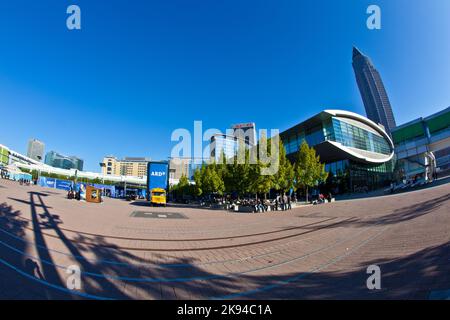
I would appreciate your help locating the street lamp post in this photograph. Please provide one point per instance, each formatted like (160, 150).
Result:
(39, 171)
(102, 165)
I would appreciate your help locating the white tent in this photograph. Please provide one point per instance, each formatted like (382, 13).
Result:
(12, 168)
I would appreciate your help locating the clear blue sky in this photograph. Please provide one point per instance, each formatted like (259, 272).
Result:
(140, 69)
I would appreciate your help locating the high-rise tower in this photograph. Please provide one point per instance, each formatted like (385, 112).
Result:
(35, 150)
(374, 96)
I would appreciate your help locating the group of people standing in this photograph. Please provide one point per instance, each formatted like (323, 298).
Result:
(281, 202)
(24, 182)
(4, 174)
(72, 194)
(284, 202)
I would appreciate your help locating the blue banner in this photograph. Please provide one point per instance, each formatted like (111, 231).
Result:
(157, 175)
(47, 182)
(63, 184)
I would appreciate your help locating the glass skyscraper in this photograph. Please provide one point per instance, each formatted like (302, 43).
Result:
(58, 160)
(223, 145)
(374, 96)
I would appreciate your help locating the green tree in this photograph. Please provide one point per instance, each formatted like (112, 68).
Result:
(309, 171)
(261, 183)
(289, 177)
(208, 180)
(183, 182)
(211, 180)
(198, 177)
(284, 178)
(182, 188)
(237, 178)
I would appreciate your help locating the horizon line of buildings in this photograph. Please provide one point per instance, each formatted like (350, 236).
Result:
(356, 151)
(52, 158)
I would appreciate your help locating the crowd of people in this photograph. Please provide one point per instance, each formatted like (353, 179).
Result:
(280, 203)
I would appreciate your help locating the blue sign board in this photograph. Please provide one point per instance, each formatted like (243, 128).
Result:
(68, 185)
(157, 175)
(47, 182)
(63, 184)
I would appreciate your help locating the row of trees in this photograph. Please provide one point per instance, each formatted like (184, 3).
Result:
(246, 178)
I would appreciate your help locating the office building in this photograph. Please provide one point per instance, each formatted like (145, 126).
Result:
(356, 151)
(422, 146)
(58, 160)
(35, 150)
(129, 166)
(246, 131)
(242, 134)
(179, 167)
(373, 93)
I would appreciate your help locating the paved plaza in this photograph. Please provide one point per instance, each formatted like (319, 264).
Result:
(129, 250)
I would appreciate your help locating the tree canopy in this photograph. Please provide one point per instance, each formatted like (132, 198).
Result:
(243, 177)
(309, 171)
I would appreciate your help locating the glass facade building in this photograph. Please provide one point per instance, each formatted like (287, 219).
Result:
(334, 129)
(356, 137)
(229, 144)
(357, 152)
(222, 144)
(422, 146)
(57, 160)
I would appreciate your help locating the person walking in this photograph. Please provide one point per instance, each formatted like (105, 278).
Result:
(261, 206)
(289, 206)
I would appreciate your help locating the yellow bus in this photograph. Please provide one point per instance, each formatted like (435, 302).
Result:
(158, 197)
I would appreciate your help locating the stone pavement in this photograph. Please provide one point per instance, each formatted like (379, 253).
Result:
(133, 251)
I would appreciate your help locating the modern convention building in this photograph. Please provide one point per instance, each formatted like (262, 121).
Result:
(422, 146)
(4, 155)
(357, 152)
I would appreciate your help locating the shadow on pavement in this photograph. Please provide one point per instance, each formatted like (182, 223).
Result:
(409, 212)
(178, 277)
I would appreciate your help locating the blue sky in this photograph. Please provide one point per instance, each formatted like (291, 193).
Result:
(140, 69)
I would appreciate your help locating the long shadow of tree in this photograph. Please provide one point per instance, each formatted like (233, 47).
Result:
(109, 271)
(14, 285)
